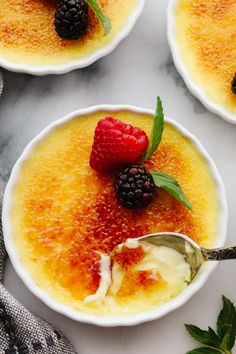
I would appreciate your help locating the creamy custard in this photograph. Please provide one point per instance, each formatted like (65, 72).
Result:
(206, 36)
(65, 216)
(27, 33)
(161, 266)
(161, 270)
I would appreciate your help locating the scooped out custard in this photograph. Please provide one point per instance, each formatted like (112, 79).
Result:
(156, 269)
(28, 34)
(206, 36)
(68, 223)
(137, 270)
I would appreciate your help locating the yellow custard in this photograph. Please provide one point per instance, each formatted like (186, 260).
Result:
(206, 36)
(27, 34)
(67, 221)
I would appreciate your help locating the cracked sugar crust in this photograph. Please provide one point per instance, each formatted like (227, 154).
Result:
(63, 211)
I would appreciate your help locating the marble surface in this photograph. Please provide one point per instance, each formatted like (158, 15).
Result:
(139, 69)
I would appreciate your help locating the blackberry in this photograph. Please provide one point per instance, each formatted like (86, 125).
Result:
(234, 84)
(134, 187)
(71, 18)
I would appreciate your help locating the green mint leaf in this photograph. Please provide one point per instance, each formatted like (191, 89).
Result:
(204, 350)
(214, 338)
(157, 130)
(226, 324)
(226, 342)
(103, 19)
(205, 337)
(168, 183)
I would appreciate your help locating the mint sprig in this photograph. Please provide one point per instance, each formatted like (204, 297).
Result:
(162, 180)
(169, 184)
(157, 130)
(224, 340)
(102, 17)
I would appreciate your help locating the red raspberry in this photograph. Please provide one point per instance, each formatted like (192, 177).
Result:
(116, 144)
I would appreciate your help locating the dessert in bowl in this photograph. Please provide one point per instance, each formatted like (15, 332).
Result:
(202, 37)
(29, 42)
(71, 235)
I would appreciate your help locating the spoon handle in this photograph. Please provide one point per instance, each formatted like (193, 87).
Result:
(219, 254)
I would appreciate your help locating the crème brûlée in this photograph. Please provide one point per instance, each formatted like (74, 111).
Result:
(68, 223)
(28, 36)
(206, 36)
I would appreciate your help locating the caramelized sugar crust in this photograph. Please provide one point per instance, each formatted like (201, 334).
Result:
(139, 281)
(63, 211)
(128, 257)
(206, 34)
(27, 33)
(135, 281)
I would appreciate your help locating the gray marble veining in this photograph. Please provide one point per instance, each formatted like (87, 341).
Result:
(135, 73)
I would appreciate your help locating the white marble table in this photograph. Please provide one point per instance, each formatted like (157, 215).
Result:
(138, 70)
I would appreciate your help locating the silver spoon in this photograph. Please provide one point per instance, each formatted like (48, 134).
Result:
(195, 254)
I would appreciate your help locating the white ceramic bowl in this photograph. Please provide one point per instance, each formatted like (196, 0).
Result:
(184, 72)
(112, 321)
(79, 63)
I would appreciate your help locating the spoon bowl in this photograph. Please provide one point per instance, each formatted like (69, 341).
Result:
(194, 254)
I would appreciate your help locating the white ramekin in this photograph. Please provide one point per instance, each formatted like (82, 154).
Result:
(99, 320)
(78, 63)
(185, 73)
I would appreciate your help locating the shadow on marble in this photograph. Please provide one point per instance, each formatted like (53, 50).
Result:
(171, 70)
